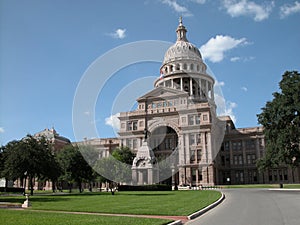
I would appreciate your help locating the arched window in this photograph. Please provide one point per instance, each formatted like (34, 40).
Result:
(192, 66)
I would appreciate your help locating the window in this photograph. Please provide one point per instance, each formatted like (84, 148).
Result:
(205, 117)
(198, 138)
(194, 174)
(235, 159)
(197, 119)
(250, 144)
(237, 145)
(192, 66)
(129, 143)
(129, 125)
(191, 119)
(192, 139)
(192, 155)
(240, 160)
(132, 125)
(194, 119)
(226, 146)
(251, 159)
(134, 144)
(199, 154)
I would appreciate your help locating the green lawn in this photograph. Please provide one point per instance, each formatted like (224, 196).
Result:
(179, 203)
(26, 217)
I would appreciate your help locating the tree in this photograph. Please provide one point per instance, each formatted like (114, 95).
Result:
(74, 167)
(29, 158)
(117, 167)
(124, 155)
(281, 120)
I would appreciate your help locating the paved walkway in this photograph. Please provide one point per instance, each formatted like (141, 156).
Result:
(254, 207)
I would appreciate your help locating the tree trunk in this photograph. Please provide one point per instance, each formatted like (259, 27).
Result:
(53, 186)
(79, 186)
(70, 187)
(31, 185)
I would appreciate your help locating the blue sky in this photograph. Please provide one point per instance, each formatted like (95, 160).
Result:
(46, 47)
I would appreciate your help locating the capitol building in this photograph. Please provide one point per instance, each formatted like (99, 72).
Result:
(178, 122)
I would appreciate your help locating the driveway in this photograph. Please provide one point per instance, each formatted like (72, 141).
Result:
(254, 207)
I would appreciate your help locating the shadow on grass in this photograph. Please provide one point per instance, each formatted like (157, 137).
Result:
(150, 193)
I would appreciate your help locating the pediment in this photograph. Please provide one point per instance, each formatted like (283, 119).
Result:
(162, 93)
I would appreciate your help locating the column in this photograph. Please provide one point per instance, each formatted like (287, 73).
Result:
(181, 84)
(206, 88)
(191, 86)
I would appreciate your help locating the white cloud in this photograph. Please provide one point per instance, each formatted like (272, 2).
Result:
(215, 48)
(243, 59)
(237, 8)
(229, 110)
(288, 9)
(219, 84)
(177, 7)
(199, 1)
(2, 130)
(224, 107)
(118, 34)
(113, 121)
(244, 89)
(235, 59)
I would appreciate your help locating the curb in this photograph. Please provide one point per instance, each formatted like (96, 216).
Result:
(204, 210)
(177, 222)
(284, 189)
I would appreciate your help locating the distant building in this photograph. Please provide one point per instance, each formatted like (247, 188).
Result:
(54, 138)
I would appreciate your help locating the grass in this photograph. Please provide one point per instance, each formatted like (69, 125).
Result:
(177, 203)
(26, 217)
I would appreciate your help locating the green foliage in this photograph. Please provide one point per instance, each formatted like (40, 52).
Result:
(74, 167)
(29, 157)
(116, 167)
(281, 120)
(124, 155)
(113, 170)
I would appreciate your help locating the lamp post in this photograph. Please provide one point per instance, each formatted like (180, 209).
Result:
(25, 178)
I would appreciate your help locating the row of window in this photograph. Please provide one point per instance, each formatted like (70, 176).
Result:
(177, 67)
(278, 175)
(195, 155)
(238, 159)
(249, 144)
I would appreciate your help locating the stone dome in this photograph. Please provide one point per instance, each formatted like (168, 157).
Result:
(182, 50)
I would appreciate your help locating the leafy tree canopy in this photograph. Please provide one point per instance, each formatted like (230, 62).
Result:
(281, 120)
(124, 155)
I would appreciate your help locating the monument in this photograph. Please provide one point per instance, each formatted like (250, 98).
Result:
(144, 166)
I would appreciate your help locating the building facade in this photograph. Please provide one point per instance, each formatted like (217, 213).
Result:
(179, 121)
